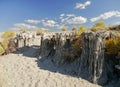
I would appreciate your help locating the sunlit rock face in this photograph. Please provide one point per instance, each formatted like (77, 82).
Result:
(95, 65)
(92, 55)
(117, 27)
(24, 39)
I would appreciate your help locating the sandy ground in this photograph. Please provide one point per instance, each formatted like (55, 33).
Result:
(22, 70)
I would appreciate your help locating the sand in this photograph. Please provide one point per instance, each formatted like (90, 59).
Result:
(22, 70)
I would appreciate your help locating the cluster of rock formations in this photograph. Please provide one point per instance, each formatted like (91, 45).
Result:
(21, 40)
(24, 39)
(92, 61)
(117, 27)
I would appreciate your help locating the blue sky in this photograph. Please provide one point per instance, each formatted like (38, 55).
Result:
(53, 14)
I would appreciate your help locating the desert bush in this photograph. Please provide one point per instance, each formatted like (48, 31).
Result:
(99, 26)
(64, 28)
(23, 30)
(46, 30)
(80, 30)
(5, 44)
(74, 28)
(113, 46)
(76, 45)
(76, 49)
(1, 50)
(8, 34)
(73, 52)
(39, 32)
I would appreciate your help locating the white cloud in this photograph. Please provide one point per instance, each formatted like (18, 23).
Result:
(117, 23)
(50, 23)
(70, 15)
(62, 15)
(77, 20)
(32, 21)
(72, 19)
(64, 19)
(23, 25)
(82, 5)
(106, 15)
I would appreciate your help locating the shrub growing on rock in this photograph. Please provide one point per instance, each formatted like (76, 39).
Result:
(99, 26)
(39, 32)
(5, 43)
(2, 51)
(80, 30)
(23, 30)
(74, 28)
(76, 46)
(113, 46)
(64, 28)
(75, 51)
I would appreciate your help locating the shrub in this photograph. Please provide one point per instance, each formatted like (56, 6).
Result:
(74, 28)
(113, 46)
(46, 30)
(39, 31)
(77, 46)
(99, 26)
(64, 28)
(1, 50)
(73, 53)
(80, 30)
(23, 30)
(5, 43)
(8, 34)
(100, 23)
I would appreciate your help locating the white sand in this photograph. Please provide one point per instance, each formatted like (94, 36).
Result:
(23, 71)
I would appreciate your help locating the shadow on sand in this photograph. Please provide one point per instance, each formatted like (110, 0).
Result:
(31, 52)
(48, 64)
(45, 63)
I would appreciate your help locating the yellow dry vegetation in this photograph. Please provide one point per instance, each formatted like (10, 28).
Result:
(99, 26)
(77, 44)
(8, 34)
(23, 30)
(74, 28)
(113, 46)
(64, 28)
(1, 50)
(5, 43)
(39, 31)
(80, 30)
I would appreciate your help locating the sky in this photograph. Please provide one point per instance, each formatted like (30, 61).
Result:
(54, 14)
